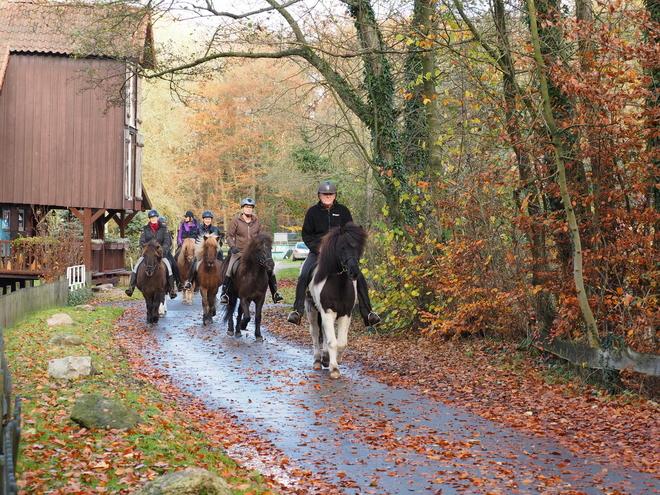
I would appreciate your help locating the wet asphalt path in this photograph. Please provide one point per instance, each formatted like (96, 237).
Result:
(361, 435)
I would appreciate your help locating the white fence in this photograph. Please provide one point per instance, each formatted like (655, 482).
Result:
(76, 277)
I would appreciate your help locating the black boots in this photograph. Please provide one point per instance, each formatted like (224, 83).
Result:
(131, 284)
(294, 317)
(172, 286)
(272, 283)
(224, 298)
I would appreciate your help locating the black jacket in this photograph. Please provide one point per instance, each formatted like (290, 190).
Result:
(212, 229)
(319, 220)
(162, 236)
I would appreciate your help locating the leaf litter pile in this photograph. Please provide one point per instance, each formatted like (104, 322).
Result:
(491, 379)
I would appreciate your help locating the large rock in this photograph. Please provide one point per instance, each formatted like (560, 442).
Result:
(193, 481)
(65, 340)
(59, 319)
(94, 411)
(71, 367)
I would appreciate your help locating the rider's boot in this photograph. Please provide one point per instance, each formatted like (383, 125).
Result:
(191, 275)
(172, 286)
(131, 284)
(272, 282)
(298, 306)
(224, 298)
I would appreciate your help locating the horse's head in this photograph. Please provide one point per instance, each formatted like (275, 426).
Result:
(259, 250)
(341, 250)
(152, 253)
(209, 249)
(188, 249)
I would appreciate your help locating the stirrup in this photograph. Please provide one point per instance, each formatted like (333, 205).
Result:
(172, 294)
(277, 298)
(372, 319)
(187, 286)
(224, 299)
(294, 317)
(129, 291)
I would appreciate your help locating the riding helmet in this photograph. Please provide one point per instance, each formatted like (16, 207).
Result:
(162, 219)
(189, 214)
(152, 213)
(248, 202)
(327, 187)
(207, 213)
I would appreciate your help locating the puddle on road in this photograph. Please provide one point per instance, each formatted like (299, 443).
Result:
(361, 435)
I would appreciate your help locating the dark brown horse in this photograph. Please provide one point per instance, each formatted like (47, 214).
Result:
(152, 279)
(186, 255)
(208, 275)
(249, 284)
(332, 294)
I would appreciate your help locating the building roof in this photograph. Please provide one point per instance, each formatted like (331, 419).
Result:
(94, 30)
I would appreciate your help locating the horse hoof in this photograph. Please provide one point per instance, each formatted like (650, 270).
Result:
(259, 339)
(230, 333)
(318, 366)
(239, 334)
(334, 374)
(325, 362)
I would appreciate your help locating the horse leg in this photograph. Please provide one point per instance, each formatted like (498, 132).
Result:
(239, 319)
(213, 294)
(205, 306)
(330, 342)
(343, 322)
(230, 308)
(315, 332)
(257, 319)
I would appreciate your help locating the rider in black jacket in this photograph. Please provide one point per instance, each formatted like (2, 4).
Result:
(319, 219)
(155, 230)
(206, 228)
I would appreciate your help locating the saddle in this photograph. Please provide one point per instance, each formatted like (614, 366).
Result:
(234, 268)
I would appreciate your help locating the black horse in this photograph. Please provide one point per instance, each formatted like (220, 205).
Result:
(249, 284)
(332, 294)
(152, 279)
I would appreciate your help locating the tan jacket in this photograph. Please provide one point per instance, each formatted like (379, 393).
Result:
(239, 231)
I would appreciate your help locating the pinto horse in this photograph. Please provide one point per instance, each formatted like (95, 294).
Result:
(332, 294)
(249, 284)
(208, 276)
(152, 279)
(184, 260)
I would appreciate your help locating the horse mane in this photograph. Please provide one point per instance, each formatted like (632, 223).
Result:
(152, 247)
(204, 242)
(254, 247)
(350, 234)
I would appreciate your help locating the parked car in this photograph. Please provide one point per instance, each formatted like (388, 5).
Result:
(300, 251)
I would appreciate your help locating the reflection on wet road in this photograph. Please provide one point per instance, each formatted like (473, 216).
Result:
(361, 435)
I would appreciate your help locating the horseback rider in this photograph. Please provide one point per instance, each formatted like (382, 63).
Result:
(206, 228)
(188, 228)
(242, 228)
(319, 219)
(155, 230)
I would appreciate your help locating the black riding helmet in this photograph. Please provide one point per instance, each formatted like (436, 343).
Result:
(327, 187)
(207, 213)
(189, 214)
(152, 213)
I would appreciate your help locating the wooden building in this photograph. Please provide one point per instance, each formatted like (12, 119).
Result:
(69, 124)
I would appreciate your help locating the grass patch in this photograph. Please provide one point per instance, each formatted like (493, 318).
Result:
(58, 456)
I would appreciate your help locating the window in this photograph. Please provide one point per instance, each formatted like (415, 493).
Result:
(21, 220)
(5, 219)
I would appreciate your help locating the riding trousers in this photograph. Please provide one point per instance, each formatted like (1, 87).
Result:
(165, 260)
(362, 290)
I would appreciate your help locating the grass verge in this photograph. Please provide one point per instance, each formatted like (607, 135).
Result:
(57, 456)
